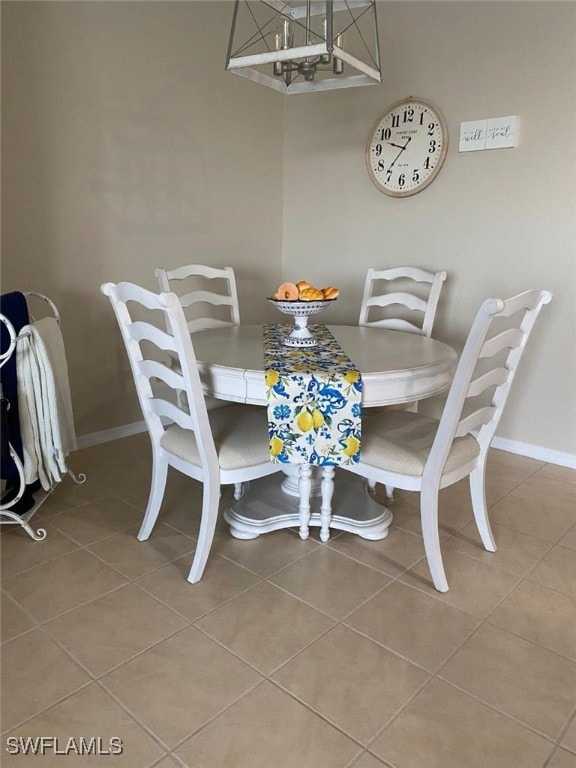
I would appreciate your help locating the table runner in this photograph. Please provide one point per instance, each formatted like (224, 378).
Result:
(314, 400)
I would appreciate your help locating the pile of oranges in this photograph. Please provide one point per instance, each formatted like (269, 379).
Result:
(303, 291)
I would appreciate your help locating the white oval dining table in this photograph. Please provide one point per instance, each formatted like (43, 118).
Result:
(396, 367)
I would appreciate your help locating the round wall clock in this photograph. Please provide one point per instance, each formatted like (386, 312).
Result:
(406, 147)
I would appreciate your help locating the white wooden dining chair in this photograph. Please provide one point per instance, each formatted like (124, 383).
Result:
(422, 454)
(226, 446)
(409, 291)
(206, 304)
(402, 293)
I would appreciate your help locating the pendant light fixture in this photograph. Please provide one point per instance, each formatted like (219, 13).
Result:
(305, 45)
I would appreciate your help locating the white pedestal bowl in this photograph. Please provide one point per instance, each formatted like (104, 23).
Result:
(300, 311)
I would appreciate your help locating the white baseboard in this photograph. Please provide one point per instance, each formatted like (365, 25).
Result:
(107, 435)
(549, 455)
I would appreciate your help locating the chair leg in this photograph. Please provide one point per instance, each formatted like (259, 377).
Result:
(327, 488)
(304, 489)
(389, 492)
(210, 504)
(478, 495)
(157, 488)
(238, 491)
(429, 519)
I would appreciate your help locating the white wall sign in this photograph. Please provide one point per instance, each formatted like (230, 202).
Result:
(493, 133)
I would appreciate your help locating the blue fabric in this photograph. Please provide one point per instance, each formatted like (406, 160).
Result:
(14, 307)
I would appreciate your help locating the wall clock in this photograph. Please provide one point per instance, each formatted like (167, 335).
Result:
(406, 147)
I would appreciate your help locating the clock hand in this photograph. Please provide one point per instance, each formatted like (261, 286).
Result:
(399, 153)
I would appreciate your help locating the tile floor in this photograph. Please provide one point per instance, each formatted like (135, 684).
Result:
(290, 653)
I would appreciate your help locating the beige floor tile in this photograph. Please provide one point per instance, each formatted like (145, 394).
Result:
(517, 552)
(562, 759)
(168, 762)
(419, 627)
(391, 555)
(368, 761)
(134, 558)
(408, 519)
(267, 554)
(330, 582)
(265, 626)
(14, 621)
(557, 570)
(504, 461)
(137, 445)
(180, 684)
(110, 630)
(18, 551)
(555, 472)
(569, 738)
(532, 517)
(97, 520)
(542, 615)
(60, 585)
(36, 673)
(473, 586)
(89, 713)
(521, 679)
(549, 493)
(222, 580)
(69, 494)
(268, 728)
(352, 681)
(569, 538)
(452, 730)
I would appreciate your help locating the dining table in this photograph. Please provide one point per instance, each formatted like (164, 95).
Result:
(396, 367)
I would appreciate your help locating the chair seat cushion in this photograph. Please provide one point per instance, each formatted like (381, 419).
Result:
(400, 441)
(240, 435)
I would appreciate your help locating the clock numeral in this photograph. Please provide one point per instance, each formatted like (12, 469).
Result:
(385, 134)
(380, 165)
(415, 175)
(401, 180)
(422, 117)
(395, 121)
(388, 175)
(378, 150)
(432, 147)
(427, 164)
(408, 115)
(431, 127)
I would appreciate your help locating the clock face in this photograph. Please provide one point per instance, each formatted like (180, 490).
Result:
(406, 148)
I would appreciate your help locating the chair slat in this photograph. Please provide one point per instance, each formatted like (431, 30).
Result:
(394, 324)
(406, 299)
(206, 297)
(506, 340)
(491, 379)
(141, 331)
(473, 420)
(169, 375)
(170, 411)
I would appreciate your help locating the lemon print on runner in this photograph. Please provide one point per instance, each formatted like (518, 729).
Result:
(317, 418)
(276, 446)
(272, 378)
(352, 446)
(351, 377)
(305, 421)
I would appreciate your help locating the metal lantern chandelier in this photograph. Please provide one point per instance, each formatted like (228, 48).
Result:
(298, 46)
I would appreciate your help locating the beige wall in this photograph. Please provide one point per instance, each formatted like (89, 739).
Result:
(125, 145)
(498, 221)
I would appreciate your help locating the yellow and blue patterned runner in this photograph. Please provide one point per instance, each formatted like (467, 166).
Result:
(314, 400)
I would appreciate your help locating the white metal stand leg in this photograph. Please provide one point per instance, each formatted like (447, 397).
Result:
(326, 505)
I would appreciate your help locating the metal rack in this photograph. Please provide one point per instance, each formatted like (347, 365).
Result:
(7, 516)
